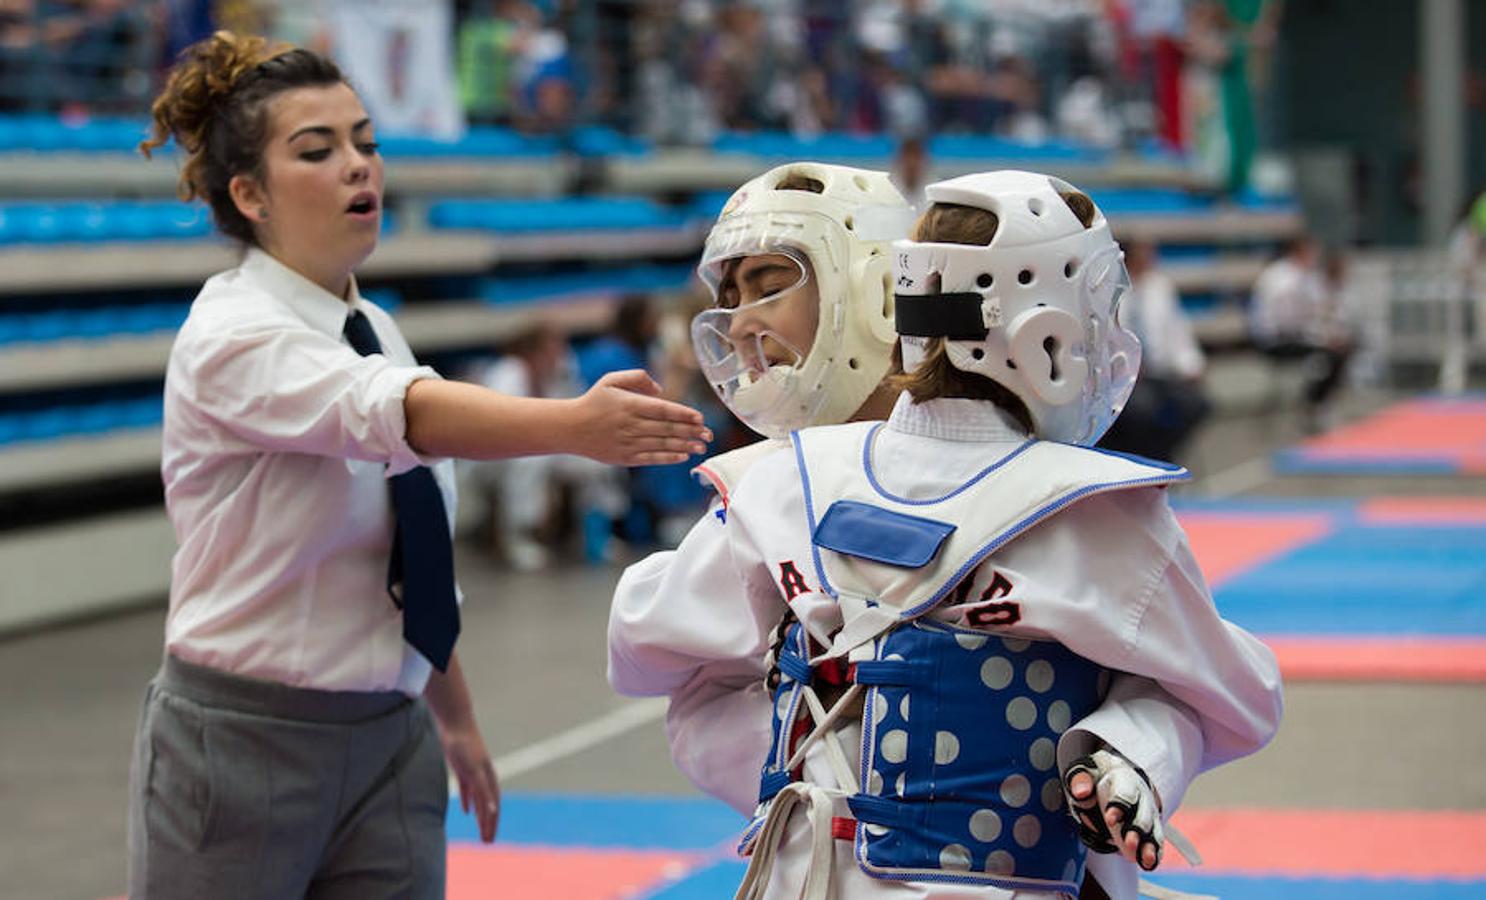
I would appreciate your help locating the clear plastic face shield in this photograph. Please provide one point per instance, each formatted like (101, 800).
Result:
(1111, 349)
(752, 344)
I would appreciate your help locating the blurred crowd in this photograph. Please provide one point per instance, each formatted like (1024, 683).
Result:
(1175, 75)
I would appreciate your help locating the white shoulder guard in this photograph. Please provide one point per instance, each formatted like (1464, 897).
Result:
(723, 471)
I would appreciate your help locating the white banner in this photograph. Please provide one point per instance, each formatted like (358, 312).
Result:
(398, 55)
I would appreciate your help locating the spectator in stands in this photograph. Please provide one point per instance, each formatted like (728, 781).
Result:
(1168, 401)
(1296, 316)
(740, 69)
(547, 76)
(911, 170)
(292, 406)
(1466, 252)
(486, 55)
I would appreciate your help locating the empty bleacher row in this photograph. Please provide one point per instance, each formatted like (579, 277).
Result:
(98, 264)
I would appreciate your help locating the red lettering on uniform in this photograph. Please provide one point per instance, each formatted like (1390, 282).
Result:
(1004, 613)
(790, 580)
(1000, 586)
(987, 614)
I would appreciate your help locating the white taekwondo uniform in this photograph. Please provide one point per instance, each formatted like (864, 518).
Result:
(1110, 577)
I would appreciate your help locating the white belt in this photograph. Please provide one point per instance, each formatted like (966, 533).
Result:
(820, 807)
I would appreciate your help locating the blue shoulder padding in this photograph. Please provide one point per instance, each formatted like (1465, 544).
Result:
(881, 535)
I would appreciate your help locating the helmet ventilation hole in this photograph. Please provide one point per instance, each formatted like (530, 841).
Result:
(1035, 205)
(1011, 364)
(985, 280)
(978, 353)
(1051, 346)
(1070, 268)
(1025, 276)
(852, 363)
(850, 223)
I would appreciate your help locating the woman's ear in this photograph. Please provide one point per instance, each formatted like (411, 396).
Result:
(249, 198)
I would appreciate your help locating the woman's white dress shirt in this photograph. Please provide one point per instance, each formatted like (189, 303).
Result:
(278, 441)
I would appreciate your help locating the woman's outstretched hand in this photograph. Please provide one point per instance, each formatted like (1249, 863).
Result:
(625, 422)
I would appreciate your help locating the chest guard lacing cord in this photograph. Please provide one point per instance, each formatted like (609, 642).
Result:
(818, 802)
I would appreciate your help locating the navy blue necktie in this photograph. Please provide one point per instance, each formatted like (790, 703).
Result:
(420, 574)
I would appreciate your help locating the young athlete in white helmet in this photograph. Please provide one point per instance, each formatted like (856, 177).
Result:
(684, 623)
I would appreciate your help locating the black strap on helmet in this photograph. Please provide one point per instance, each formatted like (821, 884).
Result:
(954, 316)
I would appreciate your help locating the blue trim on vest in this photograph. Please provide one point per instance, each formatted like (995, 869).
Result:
(1031, 519)
(1143, 460)
(796, 667)
(896, 672)
(880, 811)
(881, 535)
(771, 783)
(820, 569)
(885, 493)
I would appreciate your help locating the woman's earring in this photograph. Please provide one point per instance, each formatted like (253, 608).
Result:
(262, 213)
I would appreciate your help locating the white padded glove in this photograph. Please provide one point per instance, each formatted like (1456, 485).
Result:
(1118, 784)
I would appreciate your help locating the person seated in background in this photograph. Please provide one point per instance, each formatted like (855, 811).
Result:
(1295, 316)
(1168, 401)
(523, 492)
(638, 505)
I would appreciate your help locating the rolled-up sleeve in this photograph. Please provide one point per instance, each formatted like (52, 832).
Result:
(291, 389)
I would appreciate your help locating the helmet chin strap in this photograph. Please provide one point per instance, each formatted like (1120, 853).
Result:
(959, 317)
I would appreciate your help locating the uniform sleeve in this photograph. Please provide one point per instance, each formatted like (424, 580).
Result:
(677, 611)
(293, 389)
(1225, 676)
(1149, 727)
(694, 624)
(720, 726)
(1204, 690)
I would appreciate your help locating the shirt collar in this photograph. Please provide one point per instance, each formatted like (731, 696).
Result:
(955, 419)
(322, 310)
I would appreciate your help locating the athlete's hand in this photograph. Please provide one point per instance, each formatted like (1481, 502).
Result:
(1115, 807)
(624, 421)
(479, 788)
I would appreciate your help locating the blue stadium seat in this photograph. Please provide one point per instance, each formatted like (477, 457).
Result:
(567, 214)
(976, 146)
(599, 141)
(783, 145)
(480, 142)
(639, 278)
(1117, 201)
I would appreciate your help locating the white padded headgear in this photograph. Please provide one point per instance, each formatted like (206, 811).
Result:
(1035, 310)
(841, 237)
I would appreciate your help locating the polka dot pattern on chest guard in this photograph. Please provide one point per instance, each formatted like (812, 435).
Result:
(960, 756)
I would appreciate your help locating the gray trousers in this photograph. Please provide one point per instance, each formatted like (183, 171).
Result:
(244, 789)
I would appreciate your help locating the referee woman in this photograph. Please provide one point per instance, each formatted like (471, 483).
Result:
(295, 740)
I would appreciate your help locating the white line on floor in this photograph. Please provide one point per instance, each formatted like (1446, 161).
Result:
(577, 739)
(1236, 479)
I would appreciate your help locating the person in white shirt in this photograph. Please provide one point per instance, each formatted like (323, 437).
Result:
(1168, 402)
(1293, 318)
(679, 626)
(520, 493)
(286, 748)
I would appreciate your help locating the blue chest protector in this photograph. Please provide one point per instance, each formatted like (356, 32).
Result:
(959, 754)
(958, 779)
